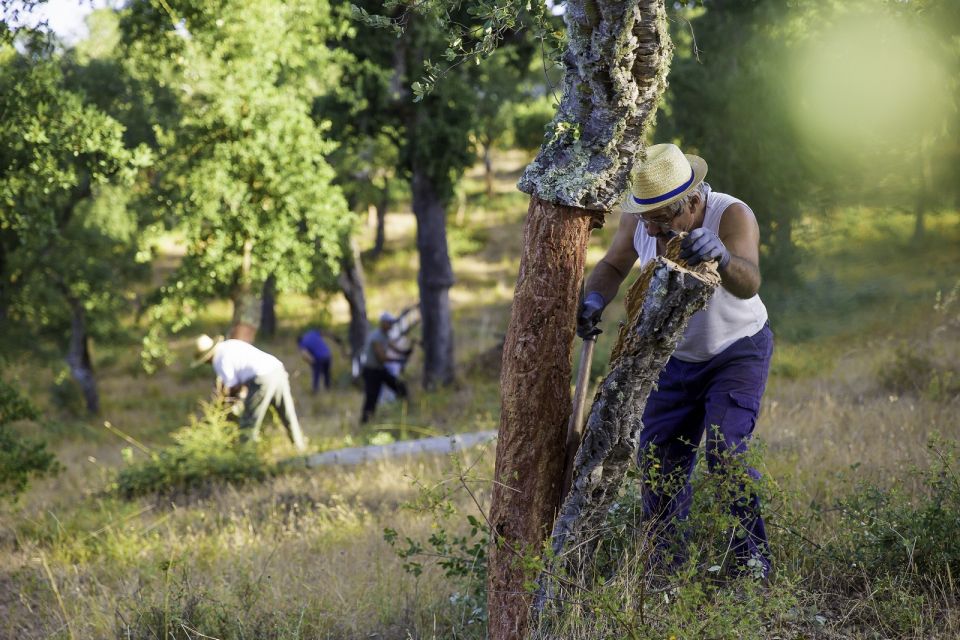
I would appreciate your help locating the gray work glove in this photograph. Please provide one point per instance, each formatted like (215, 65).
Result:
(588, 316)
(702, 245)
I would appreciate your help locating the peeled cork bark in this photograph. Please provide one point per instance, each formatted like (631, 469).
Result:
(659, 306)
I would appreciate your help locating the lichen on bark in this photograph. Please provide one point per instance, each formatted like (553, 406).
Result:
(616, 64)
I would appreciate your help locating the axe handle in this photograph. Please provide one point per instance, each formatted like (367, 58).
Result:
(575, 426)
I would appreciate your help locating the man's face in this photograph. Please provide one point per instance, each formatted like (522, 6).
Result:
(660, 222)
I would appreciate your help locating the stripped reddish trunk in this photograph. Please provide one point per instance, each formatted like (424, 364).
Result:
(615, 69)
(535, 397)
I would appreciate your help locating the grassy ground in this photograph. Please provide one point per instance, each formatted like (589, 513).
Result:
(302, 555)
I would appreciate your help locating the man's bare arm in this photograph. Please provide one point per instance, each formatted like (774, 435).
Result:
(610, 272)
(740, 234)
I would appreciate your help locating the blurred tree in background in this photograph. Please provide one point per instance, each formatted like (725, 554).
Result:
(799, 107)
(384, 102)
(69, 243)
(242, 174)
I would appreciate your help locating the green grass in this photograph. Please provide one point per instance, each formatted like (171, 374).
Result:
(302, 554)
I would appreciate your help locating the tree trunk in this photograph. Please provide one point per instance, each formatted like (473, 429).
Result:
(268, 308)
(535, 401)
(659, 306)
(351, 284)
(615, 73)
(4, 302)
(488, 170)
(246, 307)
(380, 237)
(78, 356)
(435, 279)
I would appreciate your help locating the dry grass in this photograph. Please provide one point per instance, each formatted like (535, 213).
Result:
(303, 555)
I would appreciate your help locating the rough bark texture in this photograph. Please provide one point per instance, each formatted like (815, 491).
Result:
(659, 306)
(78, 356)
(535, 401)
(351, 284)
(616, 66)
(435, 279)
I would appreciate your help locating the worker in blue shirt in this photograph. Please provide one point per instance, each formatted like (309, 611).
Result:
(314, 350)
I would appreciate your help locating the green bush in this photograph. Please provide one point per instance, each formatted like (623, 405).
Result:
(637, 588)
(207, 450)
(915, 368)
(915, 536)
(19, 458)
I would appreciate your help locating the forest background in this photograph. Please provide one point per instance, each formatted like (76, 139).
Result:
(205, 166)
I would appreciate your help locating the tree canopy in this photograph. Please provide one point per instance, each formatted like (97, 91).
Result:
(243, 176)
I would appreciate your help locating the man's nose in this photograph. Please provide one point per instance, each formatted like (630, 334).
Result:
(655, 228)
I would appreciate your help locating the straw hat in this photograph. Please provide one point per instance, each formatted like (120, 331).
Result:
(665, 177)
(204, 348)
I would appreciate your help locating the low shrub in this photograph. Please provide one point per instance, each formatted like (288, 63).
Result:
(912, 536)
(20, 458)
(207, 450)
(649, 580)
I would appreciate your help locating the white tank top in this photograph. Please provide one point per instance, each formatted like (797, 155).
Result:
(726, 317)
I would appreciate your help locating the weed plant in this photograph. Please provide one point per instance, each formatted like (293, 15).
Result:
(457, 544)
(205, 451)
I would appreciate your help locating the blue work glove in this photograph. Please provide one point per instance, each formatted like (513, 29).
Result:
(702, 245)
(588, 316)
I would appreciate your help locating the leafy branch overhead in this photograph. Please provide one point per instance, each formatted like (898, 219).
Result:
(472, 31)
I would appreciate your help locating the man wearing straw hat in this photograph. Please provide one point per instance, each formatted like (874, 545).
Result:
(714, 381)
(239, 364)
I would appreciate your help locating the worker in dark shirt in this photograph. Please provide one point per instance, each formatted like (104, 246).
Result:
(375, 373)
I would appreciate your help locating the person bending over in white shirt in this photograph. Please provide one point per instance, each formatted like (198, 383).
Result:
(239, 364)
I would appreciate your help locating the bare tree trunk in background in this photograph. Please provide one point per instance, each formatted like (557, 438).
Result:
(380, 238)
(435, 279)
(246, 307)
(488, 170)
(268, 308)
(351, 284)
(3, 282)
(615, 73)
(78, 355)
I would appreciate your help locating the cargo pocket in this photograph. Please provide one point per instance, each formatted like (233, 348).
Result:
(734, 416)
(745, 401)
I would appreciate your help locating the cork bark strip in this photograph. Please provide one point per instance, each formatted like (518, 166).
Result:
(659, 305)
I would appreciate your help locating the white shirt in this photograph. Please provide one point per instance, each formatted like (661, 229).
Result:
(726, 318)
(237, 362)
